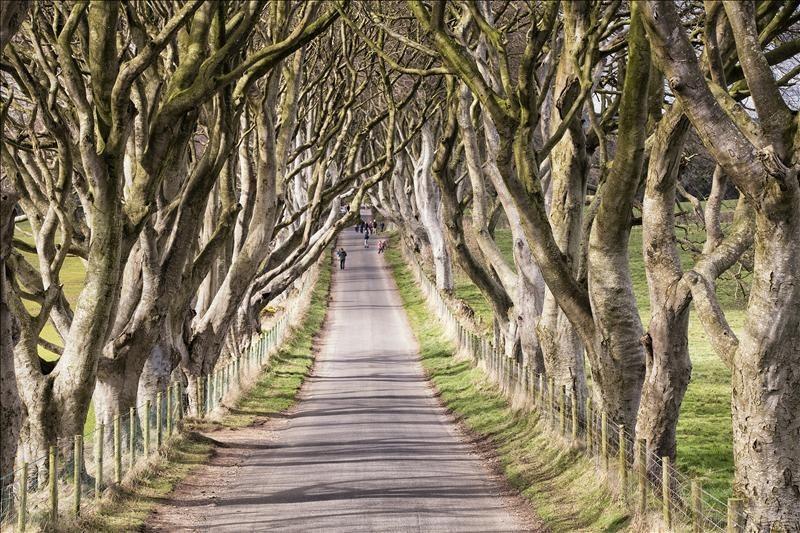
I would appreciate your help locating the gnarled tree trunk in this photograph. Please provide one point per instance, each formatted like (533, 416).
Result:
(10, 409)
(429, 202)
(763, 162)
(569, 175)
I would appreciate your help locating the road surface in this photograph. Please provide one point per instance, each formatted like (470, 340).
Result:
(368, 448)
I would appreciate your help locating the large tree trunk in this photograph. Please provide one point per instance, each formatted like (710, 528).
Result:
(569, 174)
(115, 392)
(53, 417)
(410, 228)
(10, 408)
(11, 17)
(428, 200)
(668, 364)
(618, 364)
(155, 376)
(667, 375)
(668, 367)
(529, 307)
(56, 398)
(762, 160)
(766, 380)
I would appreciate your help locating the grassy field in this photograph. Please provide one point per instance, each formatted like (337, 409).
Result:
(560, 482)
(275, 391)
(705, 449)
(72, 276)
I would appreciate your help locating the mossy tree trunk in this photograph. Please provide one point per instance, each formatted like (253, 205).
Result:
(761, 159)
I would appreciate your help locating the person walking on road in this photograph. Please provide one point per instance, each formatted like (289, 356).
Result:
(366, 239)
(342, 255)
(381, 246)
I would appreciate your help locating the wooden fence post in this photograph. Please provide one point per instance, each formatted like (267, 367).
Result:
(198, 396)
(169, 410)
(589, 427)
(131, 437)
(666, 493)
(146, 428)
(159, 418)
(734, 512)
(212, 390)
(117, 451)
(540, 403)
(179, 400)
(562, 420)
(641, 467)
(604, 438)
(574, 404)
(697, 508)
(623, 460)
(98, 456)
(22, 509)
(76, 473)
(53, 486)
(551, 404)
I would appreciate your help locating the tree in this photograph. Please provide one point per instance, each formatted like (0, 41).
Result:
(151, 326)
(762, 161)
(10, 410)
(614, 352)
(121, 159)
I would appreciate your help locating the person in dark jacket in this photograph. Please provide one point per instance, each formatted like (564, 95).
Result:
(342, 255)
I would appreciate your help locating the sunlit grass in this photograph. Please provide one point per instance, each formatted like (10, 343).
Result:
(71, 276)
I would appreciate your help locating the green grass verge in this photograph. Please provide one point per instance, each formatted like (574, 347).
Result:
(705, 432)
(561, 484)
(274, 391)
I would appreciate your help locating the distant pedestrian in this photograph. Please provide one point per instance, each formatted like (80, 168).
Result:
(383, 226)
(366, 239)
(342, 255)
(382, 246)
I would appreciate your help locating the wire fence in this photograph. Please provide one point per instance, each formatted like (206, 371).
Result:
(69, 476)
(658, 495)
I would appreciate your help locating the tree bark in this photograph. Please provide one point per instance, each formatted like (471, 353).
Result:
(668, 367)
(569, 174)
(764, 167)
(618, 364)
(11, 17)
(429, 201)
(10, 408)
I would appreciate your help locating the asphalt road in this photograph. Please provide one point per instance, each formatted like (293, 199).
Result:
(368, 448)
